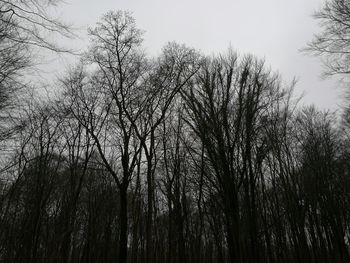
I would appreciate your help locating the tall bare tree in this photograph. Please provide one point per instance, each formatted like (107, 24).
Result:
(333, 42)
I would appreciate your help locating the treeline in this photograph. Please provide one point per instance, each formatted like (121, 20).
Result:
(178, 158)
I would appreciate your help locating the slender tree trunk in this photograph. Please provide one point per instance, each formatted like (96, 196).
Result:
(149, 224)
(123, 235)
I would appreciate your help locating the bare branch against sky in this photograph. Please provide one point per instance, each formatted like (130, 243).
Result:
(175, 132)
(271, 29)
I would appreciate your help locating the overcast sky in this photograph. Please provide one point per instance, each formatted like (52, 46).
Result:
(271, 29)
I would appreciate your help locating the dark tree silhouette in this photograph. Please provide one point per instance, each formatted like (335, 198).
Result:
(176, 158)
(332, 43)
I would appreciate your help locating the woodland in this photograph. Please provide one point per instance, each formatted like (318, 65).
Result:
(178, 158)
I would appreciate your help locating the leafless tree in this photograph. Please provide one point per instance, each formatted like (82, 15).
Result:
(25, 28)
(332, 43)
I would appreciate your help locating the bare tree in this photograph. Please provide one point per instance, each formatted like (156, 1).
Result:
(227, 106)
(170, 74)
(110, 102)
(33, 23)
(333, 42)
(25, 28)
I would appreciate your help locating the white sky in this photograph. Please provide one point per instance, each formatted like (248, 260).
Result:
(272, 29)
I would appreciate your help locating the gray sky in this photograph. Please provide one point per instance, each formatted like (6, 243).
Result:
(272, 29)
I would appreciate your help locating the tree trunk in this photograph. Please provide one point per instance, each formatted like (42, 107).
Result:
(123, 235)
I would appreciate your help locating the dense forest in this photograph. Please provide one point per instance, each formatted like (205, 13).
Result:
(182, 157)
